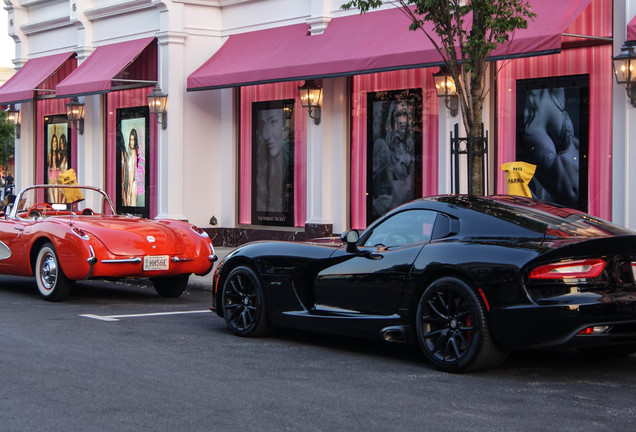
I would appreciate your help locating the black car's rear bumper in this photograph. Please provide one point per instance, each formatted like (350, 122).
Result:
(569, 325)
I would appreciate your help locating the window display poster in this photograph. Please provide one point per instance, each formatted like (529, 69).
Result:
(552, 133)
(394, 155)
(132, 160)
(272, 164)
(57, 151)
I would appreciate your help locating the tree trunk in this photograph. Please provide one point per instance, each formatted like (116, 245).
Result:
(476, 141)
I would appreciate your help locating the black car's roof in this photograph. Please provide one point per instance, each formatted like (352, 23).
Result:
(533, 215)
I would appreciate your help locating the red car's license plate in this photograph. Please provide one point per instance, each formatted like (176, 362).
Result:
(159, 262)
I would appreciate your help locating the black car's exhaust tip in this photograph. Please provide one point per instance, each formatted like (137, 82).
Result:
(395, 334)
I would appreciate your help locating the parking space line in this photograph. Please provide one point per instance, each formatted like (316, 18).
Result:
(118, 317)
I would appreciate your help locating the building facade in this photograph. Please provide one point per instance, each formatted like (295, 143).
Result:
(238, 155)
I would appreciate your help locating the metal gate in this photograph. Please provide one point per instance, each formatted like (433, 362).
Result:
(461, 155)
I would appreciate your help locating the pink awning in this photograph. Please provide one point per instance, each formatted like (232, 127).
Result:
(360, 43)
(631, 30)
(111, 66)
(21, 87)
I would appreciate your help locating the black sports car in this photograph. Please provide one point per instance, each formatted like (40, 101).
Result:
(467, 278)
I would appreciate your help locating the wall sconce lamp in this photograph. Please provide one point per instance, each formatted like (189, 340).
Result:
(157, 102)
(310, 98)
(624, 64)
(288, 108)
(13, 117)
(75, 114)
(445, 88)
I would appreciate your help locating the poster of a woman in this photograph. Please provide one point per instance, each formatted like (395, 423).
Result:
(57, 150)
(272, 164)
(134, 163)
(131, 160)
(394, 136)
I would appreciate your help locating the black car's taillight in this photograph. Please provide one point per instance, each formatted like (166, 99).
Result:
(575, 269)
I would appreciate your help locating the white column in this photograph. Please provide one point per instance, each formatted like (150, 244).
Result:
(24, 174)
(170, 159)
(328, 159)
(315, 168)
(623, 116)
(337, 154)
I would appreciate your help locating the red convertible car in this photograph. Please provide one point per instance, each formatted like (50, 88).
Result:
(61, 233)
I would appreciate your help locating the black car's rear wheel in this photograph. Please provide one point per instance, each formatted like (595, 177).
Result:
(452, 328)
(171, 286)
(53, 285)
(243, 303)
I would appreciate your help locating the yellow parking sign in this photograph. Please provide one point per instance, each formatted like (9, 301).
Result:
(518, 176)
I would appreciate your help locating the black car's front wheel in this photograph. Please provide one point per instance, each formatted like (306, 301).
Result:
(53, 284)
(452, 328)
(243, 303)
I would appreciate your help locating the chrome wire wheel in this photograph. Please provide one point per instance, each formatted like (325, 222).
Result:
(48, 271)
(243, 303)
(452, 328)
(51, 281)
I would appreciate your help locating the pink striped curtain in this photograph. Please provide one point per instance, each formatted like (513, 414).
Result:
(270, 92)
(404, 79)
(44, 108)
(597, 63)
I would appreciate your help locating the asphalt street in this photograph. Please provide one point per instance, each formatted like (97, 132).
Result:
(118, 357)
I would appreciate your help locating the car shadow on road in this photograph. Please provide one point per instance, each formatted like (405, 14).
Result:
(104, 292)
(547, 363)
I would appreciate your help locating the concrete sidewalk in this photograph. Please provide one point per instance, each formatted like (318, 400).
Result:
(205, 282)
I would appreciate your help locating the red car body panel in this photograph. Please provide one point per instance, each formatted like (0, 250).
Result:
(104, 246)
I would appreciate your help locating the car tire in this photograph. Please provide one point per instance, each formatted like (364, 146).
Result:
(243, 303)
(452, 328)
(170, 286)
(53, 284)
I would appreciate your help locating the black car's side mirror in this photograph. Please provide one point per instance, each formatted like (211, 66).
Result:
(351, 239)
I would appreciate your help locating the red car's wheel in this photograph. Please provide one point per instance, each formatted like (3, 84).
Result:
(243, 303)
(52, 283)
(172, 286)
(452, 328)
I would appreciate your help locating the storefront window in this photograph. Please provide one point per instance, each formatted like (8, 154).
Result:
(132, 159)
(57, 149)
(394, 166)
(131, 140)
(272, 183)
(56, 141)
(272, 164)
(394, 150)
(580, 73)
(552, 134)
(594, 163)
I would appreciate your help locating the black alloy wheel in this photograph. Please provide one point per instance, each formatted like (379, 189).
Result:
(452, 328)
(244, 303)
